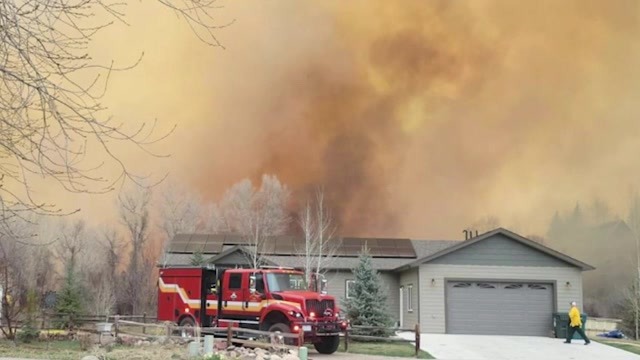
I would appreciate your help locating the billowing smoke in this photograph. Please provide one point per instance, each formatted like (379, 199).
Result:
(418, 117)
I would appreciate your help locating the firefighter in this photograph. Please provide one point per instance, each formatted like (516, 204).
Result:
(575, 325)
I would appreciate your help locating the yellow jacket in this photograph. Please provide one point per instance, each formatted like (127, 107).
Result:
(574, 316)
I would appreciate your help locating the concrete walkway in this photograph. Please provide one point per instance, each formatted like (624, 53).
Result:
(481, 347)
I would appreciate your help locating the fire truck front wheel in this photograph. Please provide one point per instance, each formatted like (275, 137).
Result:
(327, 344)
(187, 327)
(283, 328)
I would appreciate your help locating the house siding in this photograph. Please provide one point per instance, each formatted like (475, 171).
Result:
(432, 297)
(502, 251)
(410, 278)
(337, 287)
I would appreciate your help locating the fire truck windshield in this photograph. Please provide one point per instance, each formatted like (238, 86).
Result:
(285, 282)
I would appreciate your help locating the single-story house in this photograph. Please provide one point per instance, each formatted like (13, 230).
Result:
(495, 283)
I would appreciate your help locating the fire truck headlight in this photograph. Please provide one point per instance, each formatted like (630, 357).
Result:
(295, 313)
(312, 314)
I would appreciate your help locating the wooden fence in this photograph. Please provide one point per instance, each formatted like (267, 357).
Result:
(348, 335)
(127, 324)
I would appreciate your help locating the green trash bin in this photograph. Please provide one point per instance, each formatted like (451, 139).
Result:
(561, 324)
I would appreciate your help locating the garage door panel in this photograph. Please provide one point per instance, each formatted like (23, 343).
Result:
(496, 308)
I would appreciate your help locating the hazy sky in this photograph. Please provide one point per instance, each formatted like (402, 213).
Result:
(419, 117)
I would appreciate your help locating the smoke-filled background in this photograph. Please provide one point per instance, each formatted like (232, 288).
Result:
(418, 117)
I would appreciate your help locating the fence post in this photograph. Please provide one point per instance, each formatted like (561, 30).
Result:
(346, 340)
(169, 326)
(144, 321)
(301, 338)
(417, 330)
(117, 325)
(229, 334)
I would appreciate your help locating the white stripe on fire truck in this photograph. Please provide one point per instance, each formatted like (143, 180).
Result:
(174, 288)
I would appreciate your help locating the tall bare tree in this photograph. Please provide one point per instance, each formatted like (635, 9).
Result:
(51, 91)
(71, 244)
(308, 251)
(633, 220)
(257, 214)
(181, 211)
(320, 246)
(134, 215)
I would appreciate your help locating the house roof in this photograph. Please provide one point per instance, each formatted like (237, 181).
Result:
(387, 258)
(511, 235)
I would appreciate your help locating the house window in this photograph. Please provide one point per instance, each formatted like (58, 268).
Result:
(537, 287)
(235, 281)
(513, 286)
(462, 285)
(410, 298)
(349, 288)
(485, 286)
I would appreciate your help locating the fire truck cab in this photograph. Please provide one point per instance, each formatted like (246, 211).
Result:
(268, 299)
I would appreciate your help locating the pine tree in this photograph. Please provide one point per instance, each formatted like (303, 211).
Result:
(29, 330)
(70, 302)
(367, 304)
(197, 259)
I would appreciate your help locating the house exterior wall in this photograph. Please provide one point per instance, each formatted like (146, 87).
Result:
(410, 278)
(337, 287)
(432, 296)
(500, 250)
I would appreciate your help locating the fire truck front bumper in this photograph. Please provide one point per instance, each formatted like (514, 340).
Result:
(322, 328)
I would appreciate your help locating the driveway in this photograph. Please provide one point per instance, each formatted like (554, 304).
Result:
(480, 347)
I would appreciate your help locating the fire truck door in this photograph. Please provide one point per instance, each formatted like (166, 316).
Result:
(233, 295)
(253, 302)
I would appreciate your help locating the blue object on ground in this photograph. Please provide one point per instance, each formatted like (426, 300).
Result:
(615, 334)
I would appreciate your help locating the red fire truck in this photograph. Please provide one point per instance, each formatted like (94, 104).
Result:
(268, 299)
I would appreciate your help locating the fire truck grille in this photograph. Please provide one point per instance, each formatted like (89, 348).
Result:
(319, 307)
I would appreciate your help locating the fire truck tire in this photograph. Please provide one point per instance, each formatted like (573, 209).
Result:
(327, 344)
(283, 328)
(187, 322)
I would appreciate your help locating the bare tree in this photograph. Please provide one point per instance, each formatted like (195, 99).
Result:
(71, 244)
(51, 90)
(14, 278)
(320, 246)
(214, 221)
(308, 251)
(134, 215)
(256, 214)
(326, 243)
(112, 248)
(633, 220)
(180, 212)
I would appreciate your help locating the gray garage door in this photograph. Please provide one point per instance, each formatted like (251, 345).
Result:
(497, 308)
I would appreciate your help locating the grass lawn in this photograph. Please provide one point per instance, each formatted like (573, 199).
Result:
(55, 350)
(627, 346)
(398, 349)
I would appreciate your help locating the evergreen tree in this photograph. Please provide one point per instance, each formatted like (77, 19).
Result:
(70, 302)
(367, 305)
(198, 259)
(29, 330)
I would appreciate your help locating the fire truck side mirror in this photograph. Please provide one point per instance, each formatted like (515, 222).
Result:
(252, 284)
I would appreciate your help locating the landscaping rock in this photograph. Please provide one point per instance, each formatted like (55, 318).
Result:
(242, 353)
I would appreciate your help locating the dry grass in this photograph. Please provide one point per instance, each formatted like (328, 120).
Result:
(70, 350)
